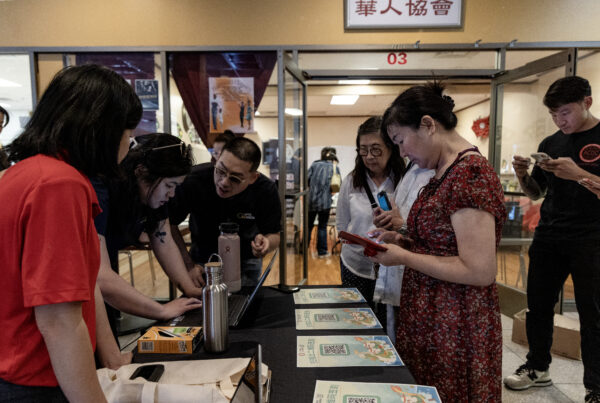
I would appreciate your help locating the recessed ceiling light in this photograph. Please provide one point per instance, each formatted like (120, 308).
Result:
(7, 83)
(257, 113)
(293, 111)
(354, 82)
(344, 99)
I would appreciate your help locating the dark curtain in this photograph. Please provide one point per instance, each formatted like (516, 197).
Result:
(192, 70)
(131, 66)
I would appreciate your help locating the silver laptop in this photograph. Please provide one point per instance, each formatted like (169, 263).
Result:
(239, 303)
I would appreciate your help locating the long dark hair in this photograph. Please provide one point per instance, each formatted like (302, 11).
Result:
(81, 118)
(414, 103)
(150, 161)
(396, 167)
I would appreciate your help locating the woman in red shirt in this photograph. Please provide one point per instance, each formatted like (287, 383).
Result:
(51, 310)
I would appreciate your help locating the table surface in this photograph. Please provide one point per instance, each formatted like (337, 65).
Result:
(271, 322)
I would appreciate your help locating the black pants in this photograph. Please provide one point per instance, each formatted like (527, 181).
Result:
(9, 392)
(550, 263)
(323, 216)
(366, 286)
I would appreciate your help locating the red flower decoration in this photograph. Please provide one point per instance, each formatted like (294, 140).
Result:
(481, 127)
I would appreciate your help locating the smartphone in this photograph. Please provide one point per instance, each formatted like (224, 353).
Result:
(540, 157)
(150, 373)
(371, 248)
(383, 200)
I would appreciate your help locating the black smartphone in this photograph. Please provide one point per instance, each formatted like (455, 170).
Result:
(150, 373)
(383, 200)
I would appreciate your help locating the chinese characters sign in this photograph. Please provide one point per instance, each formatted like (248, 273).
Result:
(369, 14)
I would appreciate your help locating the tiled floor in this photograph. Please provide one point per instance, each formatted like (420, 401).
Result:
(566, 374)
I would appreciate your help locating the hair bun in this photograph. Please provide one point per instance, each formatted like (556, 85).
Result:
(449, 100)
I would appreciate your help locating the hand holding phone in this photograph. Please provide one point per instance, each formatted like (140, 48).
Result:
(540, 157)
(371, 248)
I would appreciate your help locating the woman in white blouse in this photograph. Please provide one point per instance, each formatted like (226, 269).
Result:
(378, 167)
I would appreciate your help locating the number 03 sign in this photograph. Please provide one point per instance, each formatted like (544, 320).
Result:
(402, 14)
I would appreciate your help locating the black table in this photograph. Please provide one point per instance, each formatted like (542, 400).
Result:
(271, 322)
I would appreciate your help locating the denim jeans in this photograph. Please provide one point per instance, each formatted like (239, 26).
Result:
(323, 216)
(9, 392)
(550, 263)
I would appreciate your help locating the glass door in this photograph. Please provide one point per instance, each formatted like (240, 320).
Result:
(292, 182)
(519, 122)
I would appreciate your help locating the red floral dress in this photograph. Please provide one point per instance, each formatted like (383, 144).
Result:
(450, 335)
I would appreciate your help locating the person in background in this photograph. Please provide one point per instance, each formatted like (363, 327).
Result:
(4, 119)
(51, 311)
(319, 196)
(378, 167)
(567, 238)
(231, 191)
(448, 327)
(219, 143)
(136, 203)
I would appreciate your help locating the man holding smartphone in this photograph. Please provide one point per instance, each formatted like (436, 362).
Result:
(567, 239)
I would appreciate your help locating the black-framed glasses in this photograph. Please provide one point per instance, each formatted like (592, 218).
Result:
(375, 151)
(234, 179)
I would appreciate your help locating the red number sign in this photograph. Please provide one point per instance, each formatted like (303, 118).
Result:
(397, 58)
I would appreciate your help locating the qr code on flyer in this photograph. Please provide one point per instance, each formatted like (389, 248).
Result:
(361, 399)
(326, 317)
(334, 349)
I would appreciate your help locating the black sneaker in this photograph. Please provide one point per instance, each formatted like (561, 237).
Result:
(592, 396)
(526, 377)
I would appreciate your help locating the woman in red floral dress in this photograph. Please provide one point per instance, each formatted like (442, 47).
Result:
(449, 332)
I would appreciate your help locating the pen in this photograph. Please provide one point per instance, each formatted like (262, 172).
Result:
(166, 333)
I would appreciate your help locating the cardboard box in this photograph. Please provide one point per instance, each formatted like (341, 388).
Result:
(566, 340)
(170, 340)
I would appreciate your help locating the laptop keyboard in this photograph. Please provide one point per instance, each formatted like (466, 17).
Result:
(236, 302)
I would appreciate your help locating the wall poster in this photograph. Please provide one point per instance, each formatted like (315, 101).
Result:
(231, 104)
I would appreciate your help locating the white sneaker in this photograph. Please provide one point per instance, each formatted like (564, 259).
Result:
(526, 377)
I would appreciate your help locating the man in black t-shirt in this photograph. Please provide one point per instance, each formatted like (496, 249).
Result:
(567, 239)
(231, 191)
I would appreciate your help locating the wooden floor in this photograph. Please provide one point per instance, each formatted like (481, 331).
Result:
(512, 263)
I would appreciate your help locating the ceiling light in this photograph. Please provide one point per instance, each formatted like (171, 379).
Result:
(257, 113)
(354, 82)
(4, 105)
(293, 111)
(344, 99)
(7, 83)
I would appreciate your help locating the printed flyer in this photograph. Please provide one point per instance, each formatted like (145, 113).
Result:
(328, 296)
(336, 318)
(363, 392)
(346, 351)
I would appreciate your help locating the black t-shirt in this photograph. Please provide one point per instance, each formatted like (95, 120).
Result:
(569, 211)
(118, 234)
(256, 210)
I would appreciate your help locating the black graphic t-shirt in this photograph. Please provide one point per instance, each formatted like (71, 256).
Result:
(256, 210)
(569, 212)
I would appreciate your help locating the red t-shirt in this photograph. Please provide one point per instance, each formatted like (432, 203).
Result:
(49, 255)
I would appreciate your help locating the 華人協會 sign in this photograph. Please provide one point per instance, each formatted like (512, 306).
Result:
(402, 14)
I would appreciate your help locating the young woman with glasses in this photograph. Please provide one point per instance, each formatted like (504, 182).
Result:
(378, 167)
(137, 203)
(51, 311)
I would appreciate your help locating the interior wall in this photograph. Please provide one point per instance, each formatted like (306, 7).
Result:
(275, 22)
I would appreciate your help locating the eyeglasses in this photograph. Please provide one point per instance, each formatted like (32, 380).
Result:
(234, 179)
(364, 151)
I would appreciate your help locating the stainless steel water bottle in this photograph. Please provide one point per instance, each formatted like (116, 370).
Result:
(214, 308)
